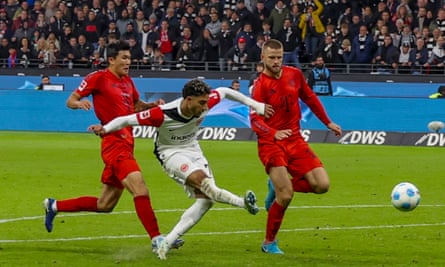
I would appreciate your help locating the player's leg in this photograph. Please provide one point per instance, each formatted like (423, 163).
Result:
(135, 184)
(188, 219)
(193, 170)
(105, 203)
(270, 197)
(318, 179)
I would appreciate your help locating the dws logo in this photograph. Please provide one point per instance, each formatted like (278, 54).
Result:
(431, 139)
(363, 137)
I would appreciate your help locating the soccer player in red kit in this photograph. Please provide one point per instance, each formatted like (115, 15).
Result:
(114, 95)
(281, 148)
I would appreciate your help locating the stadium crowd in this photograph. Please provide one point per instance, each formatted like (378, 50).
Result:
(405, 36)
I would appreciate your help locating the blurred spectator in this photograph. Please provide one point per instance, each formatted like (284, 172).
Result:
(5, 32)
(295, 16)
(343, 34)
(50, 7)
(23, 6)
(439, 21)
(403, 14)
(244, 14)
(311, 28)
(407, 36)
(136, 51)
(319, 78)
(147, 60)
(234, 21)
(211, 49)
(12, 60)
(4, 51)
(184, 56)
(386, 17)
(148, 35)
(123, 21)
(85, 49)
(56, 24)
(266, 31)
(20, 21)
(129, 33)
(345, 52)
(36, 10)
(259, 15)
(387, 56)
(53, 39)
(435, 63)
(51, 55)
(65, 12)
(111, 12)
(254, 54)
(225, 39)
(139, 21)
(43, 81)
(420, 21)
(93, 28)
(362, 47)
(158, 59)
(79, 22)
(235, 85)
(237, 55)
(66, 36)
(23, 32)
(166, 41)
(419, 55)
(112, 29)
(214, 26)
(153, 7)
(70, 53)
(277, 16)
(405, 62)
(102, 48)
(25, 52)
(246, 33)
(328, 50)
(289, 37)
(41, 25)
(354, 27)
(10, 8)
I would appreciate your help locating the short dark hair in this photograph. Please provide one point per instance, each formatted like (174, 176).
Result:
(114, 48)
(195, 87)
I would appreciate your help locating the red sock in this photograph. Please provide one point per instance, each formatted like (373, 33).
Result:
(274, 219)
(77, 204)
(301, 185)
(146, 215)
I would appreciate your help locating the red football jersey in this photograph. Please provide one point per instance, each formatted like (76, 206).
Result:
(284, 94)
(112, 97)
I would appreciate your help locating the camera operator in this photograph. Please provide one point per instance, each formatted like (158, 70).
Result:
(319, 78)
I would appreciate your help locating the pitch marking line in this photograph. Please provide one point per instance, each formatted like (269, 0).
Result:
(349, 228)
(29, 218)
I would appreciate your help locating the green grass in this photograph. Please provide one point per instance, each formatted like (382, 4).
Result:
(352, 225)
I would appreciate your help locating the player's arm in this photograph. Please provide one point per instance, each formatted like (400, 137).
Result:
(151, 117)
(142, 105)
(261, 108)
(314, 103)
(75, 101)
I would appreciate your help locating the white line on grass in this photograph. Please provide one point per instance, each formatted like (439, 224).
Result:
(346, 228)
(213, 209)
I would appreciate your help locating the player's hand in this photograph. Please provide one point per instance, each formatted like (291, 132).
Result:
(282, 134)
(268, 111)
(97, 129)
(335, 128)
(84, 104)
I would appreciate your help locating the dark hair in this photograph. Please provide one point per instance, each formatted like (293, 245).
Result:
(195, 87)
(114, 48)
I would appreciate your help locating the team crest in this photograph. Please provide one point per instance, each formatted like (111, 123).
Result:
(184, 167)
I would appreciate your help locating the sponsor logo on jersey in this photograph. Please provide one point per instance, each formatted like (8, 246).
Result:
(184, 167)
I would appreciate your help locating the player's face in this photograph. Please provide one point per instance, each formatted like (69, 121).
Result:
(196, 105)
(121, 64)
(272, 59)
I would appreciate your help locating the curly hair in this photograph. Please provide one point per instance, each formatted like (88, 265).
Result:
(195, 87)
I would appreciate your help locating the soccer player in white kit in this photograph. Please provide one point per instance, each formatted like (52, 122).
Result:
(178, 150)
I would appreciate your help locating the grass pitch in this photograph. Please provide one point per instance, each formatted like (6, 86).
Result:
(352, 225)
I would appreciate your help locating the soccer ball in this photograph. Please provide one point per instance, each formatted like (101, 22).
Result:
(405, 196)
(436, 126)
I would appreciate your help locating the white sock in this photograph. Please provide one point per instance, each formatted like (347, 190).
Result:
(189, 218)
(215, 193)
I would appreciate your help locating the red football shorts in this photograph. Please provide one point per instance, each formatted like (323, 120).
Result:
(295, 155)
(118, 169)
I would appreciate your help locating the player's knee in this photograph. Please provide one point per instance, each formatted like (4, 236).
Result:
(105, 208)
(209, 188)
(321, 188)
(284, 197)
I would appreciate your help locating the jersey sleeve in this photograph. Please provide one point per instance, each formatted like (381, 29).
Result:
(214, 98)
(259, 126)
(313, 102)
(88, 85)
(151, 117)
